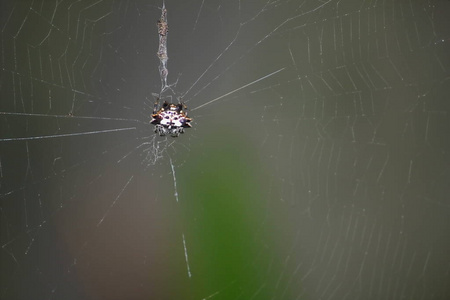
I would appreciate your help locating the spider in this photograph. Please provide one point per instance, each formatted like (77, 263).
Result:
(170, 119)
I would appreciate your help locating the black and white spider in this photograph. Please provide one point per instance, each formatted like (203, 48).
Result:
(170, 119)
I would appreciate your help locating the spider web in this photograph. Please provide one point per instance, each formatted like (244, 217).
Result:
(317, 166)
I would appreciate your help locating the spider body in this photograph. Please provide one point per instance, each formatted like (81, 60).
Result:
(170, 119)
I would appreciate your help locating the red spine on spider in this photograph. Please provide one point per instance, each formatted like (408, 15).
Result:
(170, 119)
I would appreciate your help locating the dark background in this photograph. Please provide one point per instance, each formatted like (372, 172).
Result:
(327, 180)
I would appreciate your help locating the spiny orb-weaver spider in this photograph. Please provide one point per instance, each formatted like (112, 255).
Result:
(170, 119)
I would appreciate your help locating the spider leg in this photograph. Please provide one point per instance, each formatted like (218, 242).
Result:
(160, 130)
(155, 106)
